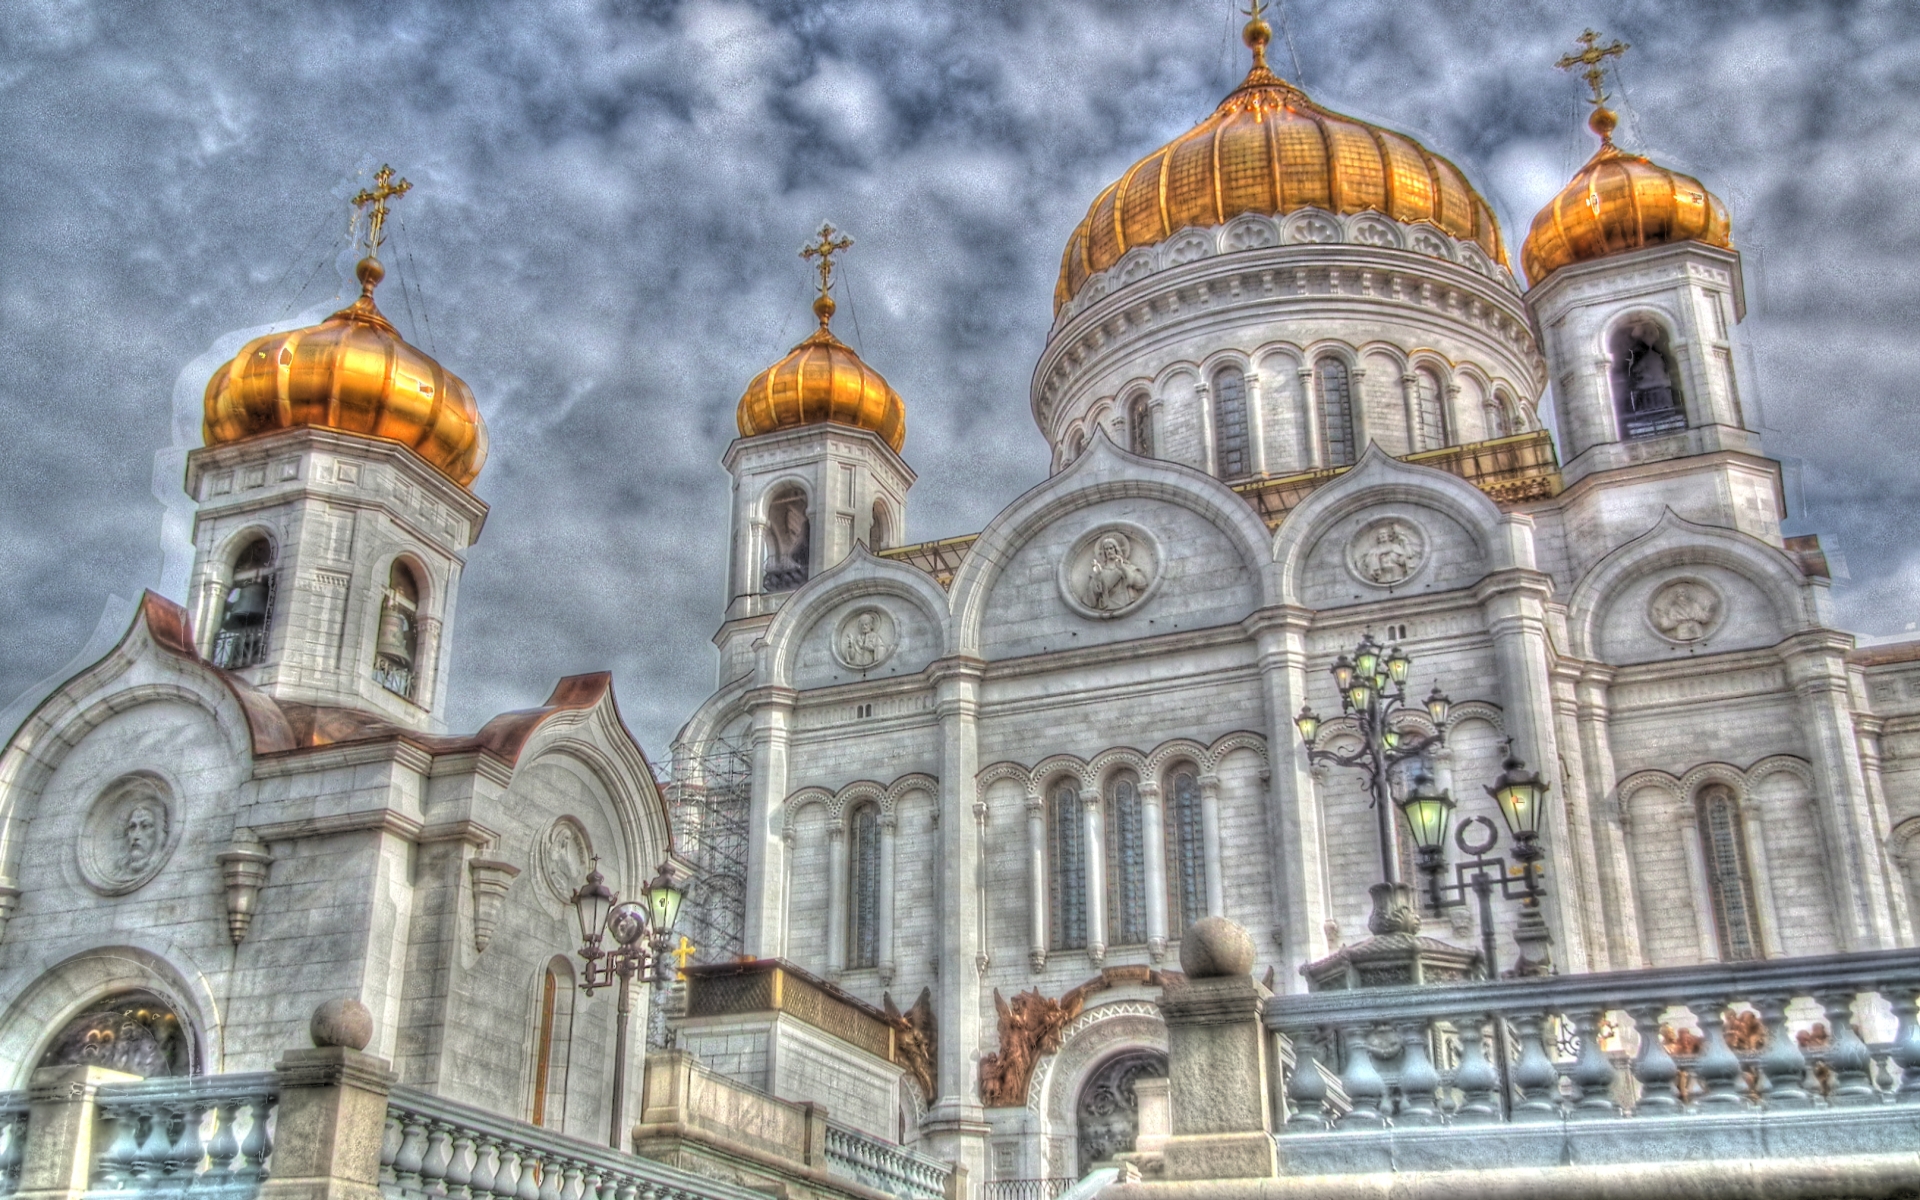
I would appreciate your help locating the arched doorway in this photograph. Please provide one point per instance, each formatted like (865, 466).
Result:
(133, 1031)
(1107, 1114)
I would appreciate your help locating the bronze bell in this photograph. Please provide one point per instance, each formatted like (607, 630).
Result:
(395, 640)
(247, 603)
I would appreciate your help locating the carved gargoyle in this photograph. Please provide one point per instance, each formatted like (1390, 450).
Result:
(1030, 1029)
(914, 1041)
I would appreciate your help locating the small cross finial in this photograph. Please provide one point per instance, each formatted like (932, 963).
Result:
(1256, 33)
(383, 190)
(681, 953)
(1592, 57)
(829, 242)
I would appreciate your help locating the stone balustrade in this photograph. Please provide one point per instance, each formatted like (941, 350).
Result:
(891, 1169)
(437, 1148)
(208, 1134)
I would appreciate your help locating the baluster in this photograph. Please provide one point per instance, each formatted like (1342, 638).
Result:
(1362, 1082)
(1783, 1064)
(186, 1150)
(487, 1166)
(1847, 1056)
(461, 1160)
(390, 1142)
(1906, 1046)
(256, 1149)
(506, 1184)
(552, 1180)
(1418, 1080)
(532, 1168)
(1534, 1075)
(223, 1147)
(149, 1166)
(433, 1165)
(591, 1184)
(1653, 1066)
(115, 1165)
(576, 1182)
(413, 1149)
(1592, 1072)
(629, 1188)
(1306, 1088)
(1475, 1077)
(1717, 1067)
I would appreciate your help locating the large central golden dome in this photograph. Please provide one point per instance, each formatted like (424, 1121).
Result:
(1269, 149)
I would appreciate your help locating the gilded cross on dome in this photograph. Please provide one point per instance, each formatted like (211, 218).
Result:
(383, 190)
(1592, 57)
(830, 242)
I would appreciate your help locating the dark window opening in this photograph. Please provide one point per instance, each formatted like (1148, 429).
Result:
(1645, 385)
(246, 614)
(397, 645)
(789, 555)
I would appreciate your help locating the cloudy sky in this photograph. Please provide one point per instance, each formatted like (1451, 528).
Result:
(609, 194)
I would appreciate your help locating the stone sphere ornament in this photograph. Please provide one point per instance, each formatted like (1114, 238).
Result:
(342, 1022)
(1214, 948)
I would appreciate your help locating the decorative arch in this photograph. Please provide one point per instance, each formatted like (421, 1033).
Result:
(66, 987)
(1092, 1040)
(860, 574)
(1123, 758)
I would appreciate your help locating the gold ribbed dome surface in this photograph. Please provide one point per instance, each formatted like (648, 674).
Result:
(822, 381)
(1620, 202)
(353, 373)
(1269, 149)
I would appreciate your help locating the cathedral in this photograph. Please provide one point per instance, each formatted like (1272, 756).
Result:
(953, 805)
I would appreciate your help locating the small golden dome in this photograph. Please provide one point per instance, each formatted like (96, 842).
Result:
(1620, 202)
(354, 373)
(822, 381)
(1268, 149)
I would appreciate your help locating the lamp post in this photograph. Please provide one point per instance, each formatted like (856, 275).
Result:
(641, 932)
(1373, 691)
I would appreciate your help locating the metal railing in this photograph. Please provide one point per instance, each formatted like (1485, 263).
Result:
(1783, 1036)
(441, 1149)
(884, 1167)
(211, 1135)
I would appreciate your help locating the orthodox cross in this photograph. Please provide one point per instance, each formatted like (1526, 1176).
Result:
(1592, 57)
(1254, 10)
(824, 249)
(383, 190)
(681, 954)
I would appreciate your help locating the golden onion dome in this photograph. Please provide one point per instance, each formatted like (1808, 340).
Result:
(822, 381)
(1620, 202)
(1269, 149)
(352, 372)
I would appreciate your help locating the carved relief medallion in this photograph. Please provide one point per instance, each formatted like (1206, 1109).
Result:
(1110, 571)
(1387, 552)
(128, 836)
(1685, 610)
(865, 639)
(565, 855)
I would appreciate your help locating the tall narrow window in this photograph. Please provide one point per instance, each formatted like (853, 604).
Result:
(1186, 852)
(1645, 387)
(789, 553)
(1068, 877)
(246, 615)
(396, 646)
(1429, 415)
(880, 534)
(1336, 412)
(1729, 879)
(554, 1048)
(1140, 425)
(1126, 864)
(863, 944)
(1231, 454)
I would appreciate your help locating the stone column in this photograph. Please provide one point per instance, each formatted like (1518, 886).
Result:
(1256, 424)
(1203, 401)
(333, 1112)
(1869, 731)
(955, 1126)
(1217, 1060)
(1754, 829)
(754, 558)
(1152, 826)
(1703, 919)
(772, 710)
(1096, 878)
(1037, 883)
(884, 902)
(1583, 897)
(837, 888)
(1210, 842)
(1295, 840)
(1310, 418)
(1614, 860)
(1357, 405)
(61, 1127)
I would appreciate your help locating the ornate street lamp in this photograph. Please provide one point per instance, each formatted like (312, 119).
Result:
(641, 932)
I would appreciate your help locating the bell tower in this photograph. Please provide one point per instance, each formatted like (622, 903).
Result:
(816, 469)
(333, 510)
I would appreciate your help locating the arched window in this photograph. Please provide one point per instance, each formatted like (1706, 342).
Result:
(246, 615)
(1336, 412)
(554, 1047)
(1646, 388)
(1067, 852)
(1729, 879)
(1140, 425)
(396, 646)
(1429, 414)
(1186, 851)
(880, 535)
(1231, 453)
(136, 1032)
(1126, 863)
(789, 552)
(863, 914)
(1077, 446)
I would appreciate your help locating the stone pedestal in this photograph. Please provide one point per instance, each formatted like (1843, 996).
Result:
(1217, 1060)
(60, 1152)
(332, 1116)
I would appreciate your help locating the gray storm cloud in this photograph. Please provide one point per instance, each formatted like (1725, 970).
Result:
(608, 198)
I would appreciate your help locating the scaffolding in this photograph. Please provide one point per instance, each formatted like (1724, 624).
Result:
(709, 794)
